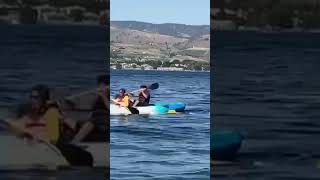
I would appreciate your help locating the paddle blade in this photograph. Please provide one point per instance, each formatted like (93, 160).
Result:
(154, 86)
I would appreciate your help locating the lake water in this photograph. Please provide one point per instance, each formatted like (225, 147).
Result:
(266, 87)
(163, 146)
(67, 59)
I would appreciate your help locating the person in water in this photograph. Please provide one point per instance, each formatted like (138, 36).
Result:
(96, 128)
(144, 97)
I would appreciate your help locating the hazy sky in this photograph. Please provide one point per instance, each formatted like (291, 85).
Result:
(193, 12)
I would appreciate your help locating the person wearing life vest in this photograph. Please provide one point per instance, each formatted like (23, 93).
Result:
(96, 128)
(144, 97)
(122, 99)
(44, 122)
(41, 117)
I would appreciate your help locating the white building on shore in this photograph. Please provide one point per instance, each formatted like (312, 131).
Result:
(146, 67)
(169, 69)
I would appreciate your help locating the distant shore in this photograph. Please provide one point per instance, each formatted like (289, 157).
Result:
(191, 71)
(271, 31)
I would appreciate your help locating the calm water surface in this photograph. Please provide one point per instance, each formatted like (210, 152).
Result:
(267, 87)
(67, 59)
(163, 146)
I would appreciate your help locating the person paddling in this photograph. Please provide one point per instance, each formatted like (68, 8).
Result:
(31, 117)
(123, 99)
(144, 97)
(43, 121)
(96, 128)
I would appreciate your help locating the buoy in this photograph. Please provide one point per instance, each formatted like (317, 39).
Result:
(172, 112)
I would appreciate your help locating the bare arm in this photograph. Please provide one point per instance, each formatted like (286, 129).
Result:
(70, 123)
(18, 128)
(83, 132)
(145, 95)
(116, 101)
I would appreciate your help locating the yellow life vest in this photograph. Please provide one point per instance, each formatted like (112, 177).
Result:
(53, 119)
(126, 100)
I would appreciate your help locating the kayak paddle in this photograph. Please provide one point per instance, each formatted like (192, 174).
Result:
(151, 87)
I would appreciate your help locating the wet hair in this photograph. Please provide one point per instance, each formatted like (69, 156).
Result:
(143, 86)
(103, 79)
(43, 91)
(122, 90)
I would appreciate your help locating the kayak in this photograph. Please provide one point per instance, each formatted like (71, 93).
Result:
(158, 108)
(18, 154)
(225, 145)
(176, 106)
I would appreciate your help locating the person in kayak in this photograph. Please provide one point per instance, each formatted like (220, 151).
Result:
(123, 99)
(96, 128)
(43, 120)
(31, 117)
(144, 97)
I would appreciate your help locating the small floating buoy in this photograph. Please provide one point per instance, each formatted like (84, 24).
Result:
(172, 112)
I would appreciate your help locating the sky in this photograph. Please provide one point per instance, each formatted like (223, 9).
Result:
(191, 12)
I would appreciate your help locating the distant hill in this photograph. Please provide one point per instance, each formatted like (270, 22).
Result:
(177, 30)
(131, 36)
(151, 40)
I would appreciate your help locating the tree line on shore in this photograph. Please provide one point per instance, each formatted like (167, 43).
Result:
(275, 13)
(185, 64)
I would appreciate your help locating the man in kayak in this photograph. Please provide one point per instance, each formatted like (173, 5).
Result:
(144, 97)
(42, 121)
(97, 126)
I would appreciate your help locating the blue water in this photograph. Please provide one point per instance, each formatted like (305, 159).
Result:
(62, 57)
(164, 146)
(65, 58)
(266, 87)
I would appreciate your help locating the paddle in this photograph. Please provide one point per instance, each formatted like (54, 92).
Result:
(150, 87)
(75, 155)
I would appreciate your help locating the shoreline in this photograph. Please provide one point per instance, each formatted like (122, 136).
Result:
(316, 31)
(190, 71)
